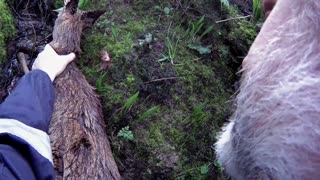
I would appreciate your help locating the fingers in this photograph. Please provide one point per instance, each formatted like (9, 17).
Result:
(49, 49)
(68, 58)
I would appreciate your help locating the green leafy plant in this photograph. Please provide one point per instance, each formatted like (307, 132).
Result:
(130, 78)
(150, 112)
(126, 134)
(130, 102)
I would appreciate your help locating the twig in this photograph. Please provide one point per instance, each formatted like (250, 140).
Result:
(22, 59)
(161, 79)
(235, 18)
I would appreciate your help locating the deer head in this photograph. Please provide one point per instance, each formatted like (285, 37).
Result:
(69, 26)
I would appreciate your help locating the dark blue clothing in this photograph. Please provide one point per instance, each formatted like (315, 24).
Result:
(25, 115)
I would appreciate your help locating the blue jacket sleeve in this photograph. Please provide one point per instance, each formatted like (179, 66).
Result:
(32, 101)
(25, 151)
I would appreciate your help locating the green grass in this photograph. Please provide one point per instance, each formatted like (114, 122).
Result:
(196, 30)
(129, 103)
(257, 12)
(171, 51)
(149, 113)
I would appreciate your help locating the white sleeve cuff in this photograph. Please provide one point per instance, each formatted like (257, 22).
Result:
(36, 138)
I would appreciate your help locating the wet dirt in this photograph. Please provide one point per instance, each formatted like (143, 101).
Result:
(34, 20)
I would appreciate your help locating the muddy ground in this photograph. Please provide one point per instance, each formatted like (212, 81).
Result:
(168, 85)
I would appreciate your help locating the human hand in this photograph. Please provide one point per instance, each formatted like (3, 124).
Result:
(52, 63)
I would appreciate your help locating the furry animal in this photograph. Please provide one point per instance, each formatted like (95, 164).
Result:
(80, 145)
(267, 6)
(275, 130)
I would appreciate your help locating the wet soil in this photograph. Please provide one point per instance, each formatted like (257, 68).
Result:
(34, 21)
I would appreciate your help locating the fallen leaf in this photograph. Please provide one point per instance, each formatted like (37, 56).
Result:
(104, 55)
(201, 49)
(106, 60)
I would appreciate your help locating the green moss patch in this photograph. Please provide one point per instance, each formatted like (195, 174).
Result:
(7, 29)
(183, 94)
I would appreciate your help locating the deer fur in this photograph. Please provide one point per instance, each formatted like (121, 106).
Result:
(275, 130)
(267, 6)
(80, 145)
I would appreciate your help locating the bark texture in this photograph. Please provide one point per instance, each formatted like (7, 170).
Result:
(80, 146)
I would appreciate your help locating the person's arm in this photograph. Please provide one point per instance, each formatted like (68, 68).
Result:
(25, 151)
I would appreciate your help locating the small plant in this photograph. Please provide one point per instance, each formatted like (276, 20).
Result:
(171, 50)
(198, 115)
(100, 84)
(130, 102)
(114, 32)
(193, 36)
(194, 28)
(126, 134)
(150, 112)
(130, 78)
(257, 12)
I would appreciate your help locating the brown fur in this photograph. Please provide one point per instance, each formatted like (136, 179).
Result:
(267, 6)
(80, 145)
(274, 132)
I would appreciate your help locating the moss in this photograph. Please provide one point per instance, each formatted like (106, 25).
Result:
(58, 4)
(242, 32)
(155, 138)
(7, 29)
(193, 104)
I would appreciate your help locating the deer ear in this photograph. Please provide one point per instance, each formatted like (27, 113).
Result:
(90, 17)
(71, 6)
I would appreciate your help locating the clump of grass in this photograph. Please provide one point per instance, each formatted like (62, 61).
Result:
(193, 34)
(257, 12)
(129, 103)
(149, 113)
(171, 51)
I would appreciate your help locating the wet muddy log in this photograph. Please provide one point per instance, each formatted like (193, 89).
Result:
(80, 145)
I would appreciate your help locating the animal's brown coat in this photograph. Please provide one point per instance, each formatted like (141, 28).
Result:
(79, 142)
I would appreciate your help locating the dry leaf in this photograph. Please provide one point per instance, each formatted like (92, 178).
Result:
(104, 55)
(106, 60)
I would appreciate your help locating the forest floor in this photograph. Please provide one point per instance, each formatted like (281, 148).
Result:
(168, 86)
